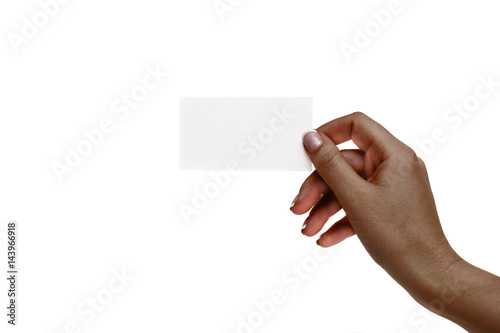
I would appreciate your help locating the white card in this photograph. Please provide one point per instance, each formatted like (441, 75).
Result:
(256, 133)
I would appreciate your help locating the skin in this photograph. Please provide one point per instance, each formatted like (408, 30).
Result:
(384, 190)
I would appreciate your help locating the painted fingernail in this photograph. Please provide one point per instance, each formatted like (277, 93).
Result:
(312, 140)
(294, 200)
(306, 223)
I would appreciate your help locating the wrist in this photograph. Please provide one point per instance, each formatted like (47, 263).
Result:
(429, 279)
(442, 286)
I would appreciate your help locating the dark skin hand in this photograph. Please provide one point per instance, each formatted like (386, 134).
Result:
(384, 190)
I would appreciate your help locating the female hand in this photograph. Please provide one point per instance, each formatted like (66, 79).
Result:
(384, 190)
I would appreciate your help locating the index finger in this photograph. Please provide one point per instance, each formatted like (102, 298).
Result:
(365, 132)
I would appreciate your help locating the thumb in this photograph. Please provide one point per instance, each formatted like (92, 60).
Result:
(331, 164)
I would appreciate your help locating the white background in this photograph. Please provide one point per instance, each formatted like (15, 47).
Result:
(120, 207)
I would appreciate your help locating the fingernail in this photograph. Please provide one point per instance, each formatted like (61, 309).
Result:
(294, 200)
(312, 140)
(306, 223)
(318, 241)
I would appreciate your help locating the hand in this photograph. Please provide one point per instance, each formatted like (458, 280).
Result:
(385, 193)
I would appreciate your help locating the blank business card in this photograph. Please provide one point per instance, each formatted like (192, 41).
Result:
(254, 133)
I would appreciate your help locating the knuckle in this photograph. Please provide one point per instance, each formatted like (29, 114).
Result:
(330, 161)
(412, 157)
(421, 163)
(407, 162)
(358, 115)
(408, 156)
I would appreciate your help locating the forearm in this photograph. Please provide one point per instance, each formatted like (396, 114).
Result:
(466, 295)
(476, 302)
